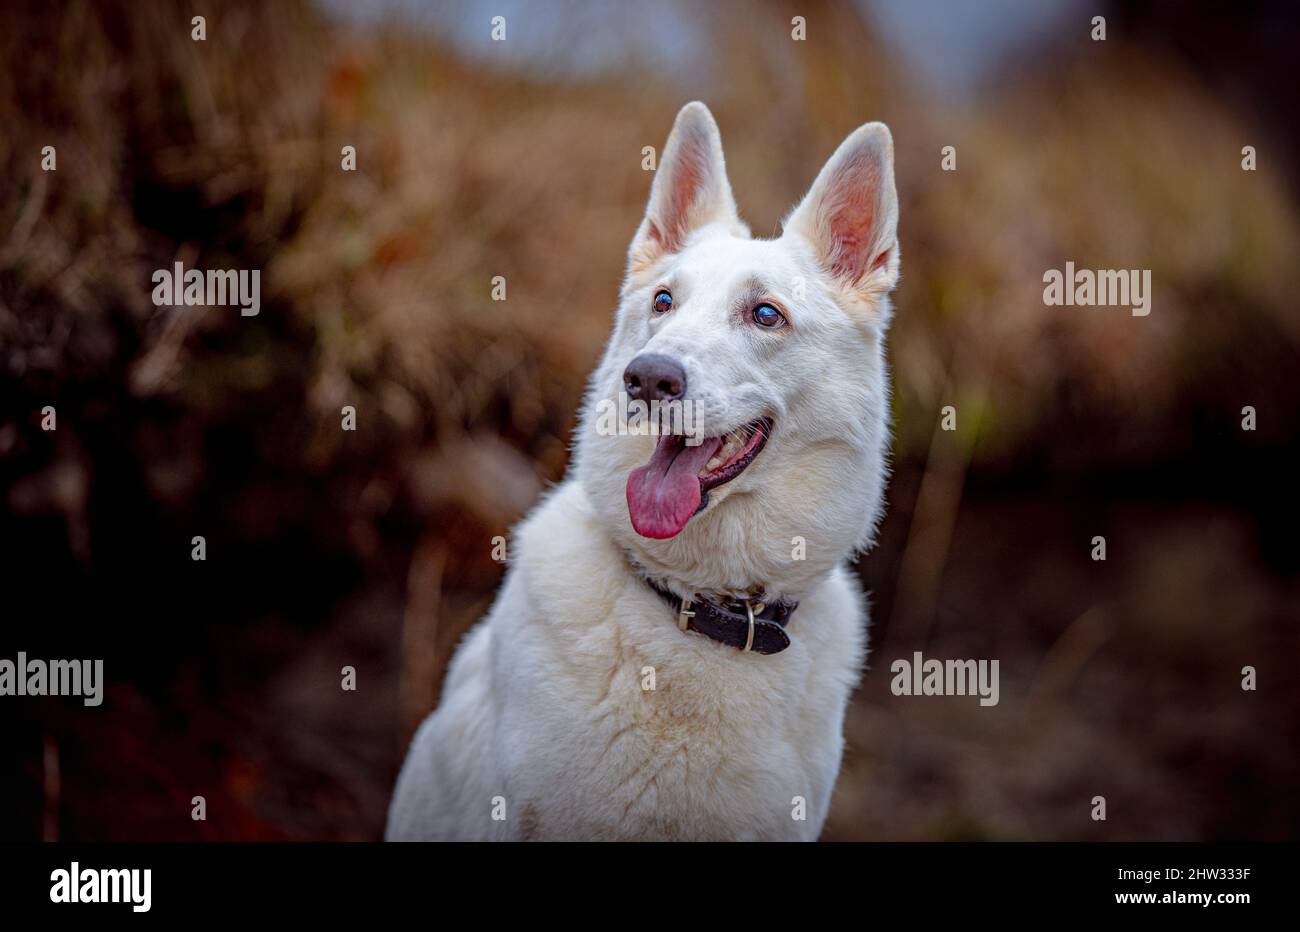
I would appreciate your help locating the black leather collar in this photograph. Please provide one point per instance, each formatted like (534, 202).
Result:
(731, 623)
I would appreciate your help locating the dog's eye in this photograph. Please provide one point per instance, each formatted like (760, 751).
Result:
(663, 302)
(767, 316)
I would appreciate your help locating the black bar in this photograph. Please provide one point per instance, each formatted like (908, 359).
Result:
(295, 881)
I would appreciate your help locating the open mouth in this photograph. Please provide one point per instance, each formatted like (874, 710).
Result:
(665, 493)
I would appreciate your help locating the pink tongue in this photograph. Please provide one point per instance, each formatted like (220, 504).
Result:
(664, 493)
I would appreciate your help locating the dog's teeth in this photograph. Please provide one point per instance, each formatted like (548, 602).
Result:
(732, 443)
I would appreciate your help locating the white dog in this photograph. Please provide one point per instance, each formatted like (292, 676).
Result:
(676, 640)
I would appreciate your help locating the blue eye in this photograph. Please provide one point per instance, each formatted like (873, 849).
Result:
(767, 316)
(663, 302)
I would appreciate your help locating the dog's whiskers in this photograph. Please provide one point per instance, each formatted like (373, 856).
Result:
(751, 430)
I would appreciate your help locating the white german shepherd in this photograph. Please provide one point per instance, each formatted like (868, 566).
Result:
(677, 637)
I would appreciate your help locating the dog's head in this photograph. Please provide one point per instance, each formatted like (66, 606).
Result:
(761, 360)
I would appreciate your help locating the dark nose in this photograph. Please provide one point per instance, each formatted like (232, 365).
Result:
(654, 377)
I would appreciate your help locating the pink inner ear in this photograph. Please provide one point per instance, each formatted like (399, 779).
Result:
(852, 203)
(846, 251)
(685, 186)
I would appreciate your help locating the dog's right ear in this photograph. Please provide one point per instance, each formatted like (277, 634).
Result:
(690, 188)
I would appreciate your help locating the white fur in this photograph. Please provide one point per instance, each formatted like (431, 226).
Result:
(544, 705)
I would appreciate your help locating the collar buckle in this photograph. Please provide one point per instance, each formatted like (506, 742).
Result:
(684, 615)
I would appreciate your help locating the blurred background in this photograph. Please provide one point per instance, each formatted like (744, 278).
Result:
(522, 158)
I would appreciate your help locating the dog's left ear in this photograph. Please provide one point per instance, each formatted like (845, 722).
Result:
(850, 215)
(690, 188)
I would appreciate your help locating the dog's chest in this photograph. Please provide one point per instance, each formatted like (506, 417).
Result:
(650, 732)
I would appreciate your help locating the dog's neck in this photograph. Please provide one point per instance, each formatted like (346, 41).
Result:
(748, 625)
(683, 589)
(749, 620)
